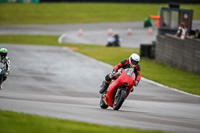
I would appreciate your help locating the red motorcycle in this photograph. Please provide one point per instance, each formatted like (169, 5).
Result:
(119, 89)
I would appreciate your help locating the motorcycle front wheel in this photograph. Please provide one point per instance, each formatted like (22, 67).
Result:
(119, 99)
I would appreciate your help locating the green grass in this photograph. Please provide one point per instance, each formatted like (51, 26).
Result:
(11, 122)
(169, 76)
(63, 13)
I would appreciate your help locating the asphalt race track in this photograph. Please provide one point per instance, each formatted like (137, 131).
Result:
(56, 82)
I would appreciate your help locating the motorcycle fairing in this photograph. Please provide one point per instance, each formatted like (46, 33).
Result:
(120, 81)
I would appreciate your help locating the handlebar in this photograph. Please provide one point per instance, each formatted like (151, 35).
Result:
(118, 73)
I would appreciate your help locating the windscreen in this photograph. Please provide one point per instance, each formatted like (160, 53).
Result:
(129, 71)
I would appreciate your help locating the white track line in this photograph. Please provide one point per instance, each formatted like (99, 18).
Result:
(158, 84)
(61, 37)
(111, 67)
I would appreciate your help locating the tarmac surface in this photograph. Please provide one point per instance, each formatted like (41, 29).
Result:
(57, 82)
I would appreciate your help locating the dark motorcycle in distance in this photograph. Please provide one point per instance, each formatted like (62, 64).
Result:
(3, 71)
(119, 89)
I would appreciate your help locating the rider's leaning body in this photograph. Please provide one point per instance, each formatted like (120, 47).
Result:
(6, 61)
(132, 61)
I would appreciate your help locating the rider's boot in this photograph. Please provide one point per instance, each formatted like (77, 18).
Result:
(104, 87)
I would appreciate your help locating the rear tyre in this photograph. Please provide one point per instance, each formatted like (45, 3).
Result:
(102, 103)
(118, 101)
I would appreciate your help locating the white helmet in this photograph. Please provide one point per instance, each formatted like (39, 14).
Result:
(134, 59)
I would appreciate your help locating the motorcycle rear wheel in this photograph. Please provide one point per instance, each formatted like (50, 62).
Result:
(118, 101)
(102, 103)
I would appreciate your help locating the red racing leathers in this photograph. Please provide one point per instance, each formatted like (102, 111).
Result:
(125, 64)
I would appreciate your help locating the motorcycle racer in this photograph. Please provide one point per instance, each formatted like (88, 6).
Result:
(132, 61)
(6, 61)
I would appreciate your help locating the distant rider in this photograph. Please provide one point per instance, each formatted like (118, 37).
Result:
(132, 61)
(182, 31)
(6, 61)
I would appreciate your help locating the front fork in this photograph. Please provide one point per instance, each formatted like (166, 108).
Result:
(119, 91)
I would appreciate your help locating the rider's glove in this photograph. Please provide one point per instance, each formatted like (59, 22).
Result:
(111, 75)
(136, 83)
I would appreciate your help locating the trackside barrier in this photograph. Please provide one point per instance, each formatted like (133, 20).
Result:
(20, 1)
(173, 51)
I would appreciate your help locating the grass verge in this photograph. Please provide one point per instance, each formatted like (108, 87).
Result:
(172, 77)
(62, 13)
(12, 122)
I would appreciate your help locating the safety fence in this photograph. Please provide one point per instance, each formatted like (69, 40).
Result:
(107, 1)
(126, 1)
(20, 1)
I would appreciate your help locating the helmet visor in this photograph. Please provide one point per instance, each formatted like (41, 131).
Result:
(134, 62)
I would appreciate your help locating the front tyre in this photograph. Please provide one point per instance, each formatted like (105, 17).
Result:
(102, 103)
(118, 101)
